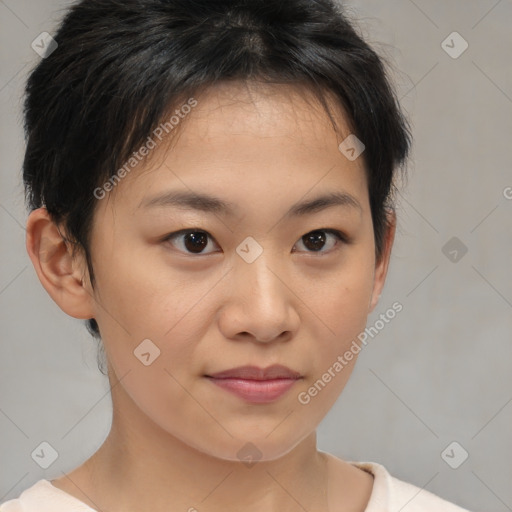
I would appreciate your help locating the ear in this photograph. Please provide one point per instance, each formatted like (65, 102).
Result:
(381, 266)
(63, 276)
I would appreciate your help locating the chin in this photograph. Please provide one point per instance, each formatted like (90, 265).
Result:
(263, 448)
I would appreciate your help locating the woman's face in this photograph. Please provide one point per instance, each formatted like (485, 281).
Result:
(260, 284)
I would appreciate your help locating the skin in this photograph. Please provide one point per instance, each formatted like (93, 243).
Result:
(175, 436)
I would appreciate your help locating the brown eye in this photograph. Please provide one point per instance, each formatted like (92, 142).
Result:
(190, 241)
(315, 241)
(194, 241)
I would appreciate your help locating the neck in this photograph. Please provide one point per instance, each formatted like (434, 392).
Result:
(140, 466)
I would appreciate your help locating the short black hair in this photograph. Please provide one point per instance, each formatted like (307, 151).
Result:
(121, 66)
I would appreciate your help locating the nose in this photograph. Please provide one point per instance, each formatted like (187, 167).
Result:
(261, 305)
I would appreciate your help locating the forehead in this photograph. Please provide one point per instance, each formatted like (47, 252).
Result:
(262, 110)
(250, 136)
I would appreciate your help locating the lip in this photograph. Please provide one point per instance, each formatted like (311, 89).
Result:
(276, 371)
(257, 385)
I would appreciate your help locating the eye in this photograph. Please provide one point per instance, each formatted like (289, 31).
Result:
(192, 240)
(314, 241)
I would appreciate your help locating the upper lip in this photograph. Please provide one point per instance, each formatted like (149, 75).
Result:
(276, 371)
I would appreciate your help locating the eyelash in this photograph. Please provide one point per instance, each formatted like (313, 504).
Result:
(341, 237)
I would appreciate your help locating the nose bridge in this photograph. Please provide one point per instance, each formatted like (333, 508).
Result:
(260, 287)
(260, 279)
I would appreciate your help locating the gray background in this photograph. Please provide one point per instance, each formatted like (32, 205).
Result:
(439, 372)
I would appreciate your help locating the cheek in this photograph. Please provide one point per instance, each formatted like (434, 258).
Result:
(138, 299)
(343, 307)
(344, 299)
(333, 355)
(146, 311)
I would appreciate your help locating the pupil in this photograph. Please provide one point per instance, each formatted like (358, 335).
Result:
(318, 239)
(198, 241)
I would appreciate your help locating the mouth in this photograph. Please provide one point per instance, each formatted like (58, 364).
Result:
(256, 385)
(276, 371)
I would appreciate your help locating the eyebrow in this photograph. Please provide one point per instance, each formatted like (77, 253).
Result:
(211, 204)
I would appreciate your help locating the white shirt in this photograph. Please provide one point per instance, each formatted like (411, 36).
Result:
(389, 494)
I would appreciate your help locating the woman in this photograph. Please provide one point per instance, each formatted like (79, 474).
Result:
(210, 186)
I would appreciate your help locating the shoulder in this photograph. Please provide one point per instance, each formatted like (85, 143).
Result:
(42, 496)
(27, 500)
(390, 493)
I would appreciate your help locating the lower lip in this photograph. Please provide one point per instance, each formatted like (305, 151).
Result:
(256, 391)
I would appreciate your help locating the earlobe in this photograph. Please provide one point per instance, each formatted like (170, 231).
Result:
(381, 266)
(59, 273)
